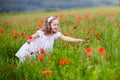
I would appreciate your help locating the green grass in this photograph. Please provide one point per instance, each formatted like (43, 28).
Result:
(91, 23)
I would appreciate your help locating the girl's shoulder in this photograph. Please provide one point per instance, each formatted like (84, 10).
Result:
(57, 34)
(40, 32)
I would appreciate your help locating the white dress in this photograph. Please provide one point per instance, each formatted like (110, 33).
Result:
(41, 42)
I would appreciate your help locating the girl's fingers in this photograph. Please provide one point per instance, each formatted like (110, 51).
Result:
(81, 41)
(28, 42)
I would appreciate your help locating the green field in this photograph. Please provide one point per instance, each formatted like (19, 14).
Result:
(97, 59)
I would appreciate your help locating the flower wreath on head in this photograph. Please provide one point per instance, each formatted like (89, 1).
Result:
(50, 18)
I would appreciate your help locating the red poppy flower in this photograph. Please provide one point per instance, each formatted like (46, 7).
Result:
(16, 36)
(63, 62)
(108, 58)
(78, 20)
(90, 35)
(15, 33)
(9, 34)
(28, 37)
(67, 45)
(42, 51)
(97, 33)
(101, 50)
(22, 33)
(39, 24)
(42, 20)
(91, 29)
(40, 58)
(117, 25)
(75, 27)
(34, 63)
(2, 30)
(99, 38)
(65, 34)
(87, 16)
(87, 38)
(83, 29)
(88, 51)
(46, 72)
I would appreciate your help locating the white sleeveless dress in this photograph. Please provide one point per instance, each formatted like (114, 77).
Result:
(41, 42)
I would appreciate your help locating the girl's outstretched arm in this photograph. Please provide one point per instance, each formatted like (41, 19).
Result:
(70, 39)
(34, 36)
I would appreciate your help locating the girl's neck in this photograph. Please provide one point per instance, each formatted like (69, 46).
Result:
(52, 33)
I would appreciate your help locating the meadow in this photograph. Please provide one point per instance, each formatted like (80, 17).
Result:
(98, 58)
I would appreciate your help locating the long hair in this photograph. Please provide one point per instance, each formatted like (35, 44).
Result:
(47, 25)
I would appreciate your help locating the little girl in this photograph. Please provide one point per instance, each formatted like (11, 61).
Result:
(43, 39)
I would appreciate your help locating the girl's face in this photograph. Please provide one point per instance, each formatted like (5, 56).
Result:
(55, 25)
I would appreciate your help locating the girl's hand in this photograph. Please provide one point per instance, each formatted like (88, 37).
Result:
(81, 40)
(29, 40)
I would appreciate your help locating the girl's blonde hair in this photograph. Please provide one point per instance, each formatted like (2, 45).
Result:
(47, 24)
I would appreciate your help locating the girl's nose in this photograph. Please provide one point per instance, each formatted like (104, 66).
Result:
(56, 26)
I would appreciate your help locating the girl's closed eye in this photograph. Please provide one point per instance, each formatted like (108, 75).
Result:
(55, 25)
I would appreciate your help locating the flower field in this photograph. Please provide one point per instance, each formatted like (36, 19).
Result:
(98, 58)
